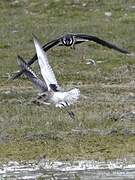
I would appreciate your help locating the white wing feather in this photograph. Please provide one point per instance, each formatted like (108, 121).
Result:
(45, 68)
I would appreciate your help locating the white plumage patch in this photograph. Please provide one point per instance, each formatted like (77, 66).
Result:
(46, 69)
(72, 96)
(58, 98)
(62, 99)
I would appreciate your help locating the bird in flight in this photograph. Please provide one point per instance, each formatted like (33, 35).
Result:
(70, 40)
(50, 91)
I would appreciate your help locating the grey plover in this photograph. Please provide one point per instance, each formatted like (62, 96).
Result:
(50, 91)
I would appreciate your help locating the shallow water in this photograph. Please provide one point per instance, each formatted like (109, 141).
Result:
(63, 170)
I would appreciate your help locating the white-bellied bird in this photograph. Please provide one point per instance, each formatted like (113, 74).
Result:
(50, 91)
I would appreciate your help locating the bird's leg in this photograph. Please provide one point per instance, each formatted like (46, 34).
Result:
(70, 113)
(35, 101)
(40, 100)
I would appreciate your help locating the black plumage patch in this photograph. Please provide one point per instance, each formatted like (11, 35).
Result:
(70, 40)
(53, 87)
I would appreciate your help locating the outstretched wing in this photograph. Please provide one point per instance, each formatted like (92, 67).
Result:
(45, 68)
(46, 47)
(99, 41)
(31, 75)
(79, 38)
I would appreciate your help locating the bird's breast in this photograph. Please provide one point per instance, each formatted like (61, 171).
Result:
(58, 97)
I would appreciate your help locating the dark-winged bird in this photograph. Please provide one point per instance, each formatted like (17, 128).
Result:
(70, 40)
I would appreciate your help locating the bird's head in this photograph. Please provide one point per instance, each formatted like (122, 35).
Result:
(68, 40)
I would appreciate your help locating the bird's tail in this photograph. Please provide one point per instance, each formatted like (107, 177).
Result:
(72, 96)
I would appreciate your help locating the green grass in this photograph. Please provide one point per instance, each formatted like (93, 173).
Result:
(103, 129)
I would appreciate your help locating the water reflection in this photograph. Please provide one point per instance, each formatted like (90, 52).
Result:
(74, 170)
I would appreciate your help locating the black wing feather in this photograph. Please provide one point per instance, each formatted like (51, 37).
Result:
(46, 47)
(102, 42)
(83, 38)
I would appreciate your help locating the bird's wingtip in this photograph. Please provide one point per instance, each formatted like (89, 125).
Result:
(36, 41)
(35, 38)
(21, 62)
(18, 59)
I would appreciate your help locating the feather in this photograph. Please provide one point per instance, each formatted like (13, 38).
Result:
(45, 68)
(31, 75)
